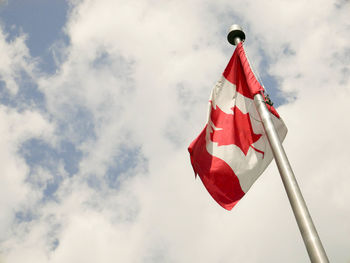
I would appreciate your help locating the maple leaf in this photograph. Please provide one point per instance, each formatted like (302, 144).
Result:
(233, 128)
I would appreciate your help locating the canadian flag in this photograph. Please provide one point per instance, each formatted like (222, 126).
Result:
(233, 150)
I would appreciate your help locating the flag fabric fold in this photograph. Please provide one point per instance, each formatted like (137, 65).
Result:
(232, 150)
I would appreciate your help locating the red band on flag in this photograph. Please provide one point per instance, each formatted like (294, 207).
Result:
(216, 175)
(239, 73)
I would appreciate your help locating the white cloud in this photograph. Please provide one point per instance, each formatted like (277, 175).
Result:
(15, 193)
(138, 74)
(16, 127)
(15, 59)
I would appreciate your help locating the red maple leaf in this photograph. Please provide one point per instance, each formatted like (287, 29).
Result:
(233, 128)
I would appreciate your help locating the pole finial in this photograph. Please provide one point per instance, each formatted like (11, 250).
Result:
(235, 33)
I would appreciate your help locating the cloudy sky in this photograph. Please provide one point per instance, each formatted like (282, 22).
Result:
(99, 100)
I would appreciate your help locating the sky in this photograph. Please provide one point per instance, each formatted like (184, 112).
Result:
(99, 101)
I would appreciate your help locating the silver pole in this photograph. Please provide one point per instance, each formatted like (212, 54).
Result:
(306, 226)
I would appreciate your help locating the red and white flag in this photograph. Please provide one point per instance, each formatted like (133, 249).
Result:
(232, 150)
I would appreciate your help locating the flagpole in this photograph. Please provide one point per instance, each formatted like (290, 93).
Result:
(306, 226)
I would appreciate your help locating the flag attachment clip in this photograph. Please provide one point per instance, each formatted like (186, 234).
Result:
(267, 99)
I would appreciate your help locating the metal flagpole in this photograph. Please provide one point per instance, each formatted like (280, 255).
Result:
(306, 226)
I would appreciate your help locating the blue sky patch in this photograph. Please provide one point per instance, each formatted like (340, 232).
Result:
(38, 153)
(27, 96)
(125, 162)
(42, 21)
